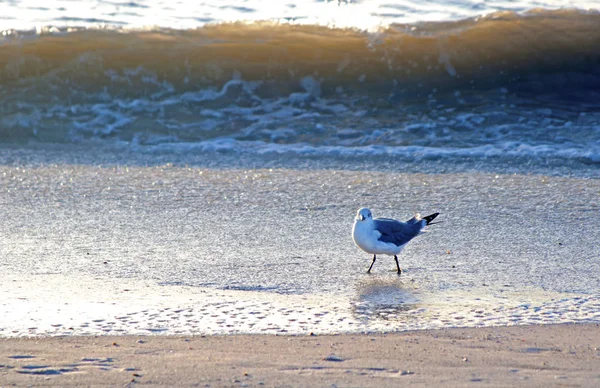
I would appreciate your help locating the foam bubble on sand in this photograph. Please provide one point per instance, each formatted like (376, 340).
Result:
(57, 305)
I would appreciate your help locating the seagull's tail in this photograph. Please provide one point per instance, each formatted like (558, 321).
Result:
(430, 218)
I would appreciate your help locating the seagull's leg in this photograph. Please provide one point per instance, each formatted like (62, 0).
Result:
(397, 265)
(374, 258)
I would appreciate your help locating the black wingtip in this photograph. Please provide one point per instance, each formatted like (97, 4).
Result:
(430, 217)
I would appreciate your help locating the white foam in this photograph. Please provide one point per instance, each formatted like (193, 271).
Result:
(58, 305)
(414, 153)
(236, 118)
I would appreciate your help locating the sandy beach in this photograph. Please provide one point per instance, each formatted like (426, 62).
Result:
(532, 356)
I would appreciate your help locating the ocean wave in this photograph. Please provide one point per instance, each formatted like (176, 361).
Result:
(471, 87)
(491, 51)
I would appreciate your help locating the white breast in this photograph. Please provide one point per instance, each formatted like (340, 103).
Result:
(367, 238)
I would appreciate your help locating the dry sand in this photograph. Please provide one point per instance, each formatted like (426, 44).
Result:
(554, 355)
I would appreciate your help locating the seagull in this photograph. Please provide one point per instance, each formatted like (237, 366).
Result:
(385, 236)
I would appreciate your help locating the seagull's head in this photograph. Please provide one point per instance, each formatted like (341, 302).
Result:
(363, 214)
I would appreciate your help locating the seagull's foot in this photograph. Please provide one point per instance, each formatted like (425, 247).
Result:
(399, 272)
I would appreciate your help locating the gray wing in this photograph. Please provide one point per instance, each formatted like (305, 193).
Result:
(396, 232)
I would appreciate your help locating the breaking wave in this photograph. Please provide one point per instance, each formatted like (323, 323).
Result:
(504, 84)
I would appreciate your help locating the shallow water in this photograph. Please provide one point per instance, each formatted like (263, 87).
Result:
(196, 249)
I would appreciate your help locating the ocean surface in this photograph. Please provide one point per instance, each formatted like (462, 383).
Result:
(195, 168)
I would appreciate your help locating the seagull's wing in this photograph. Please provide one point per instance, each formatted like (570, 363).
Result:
(396, 232)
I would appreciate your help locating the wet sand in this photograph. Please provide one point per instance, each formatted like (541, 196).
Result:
(187, 250)
(552, 355)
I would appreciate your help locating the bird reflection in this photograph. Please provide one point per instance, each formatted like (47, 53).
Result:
(385, 300)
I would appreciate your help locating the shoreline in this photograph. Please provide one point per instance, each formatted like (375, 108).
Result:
(563, 354)
(95, 154)
(58, 305)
